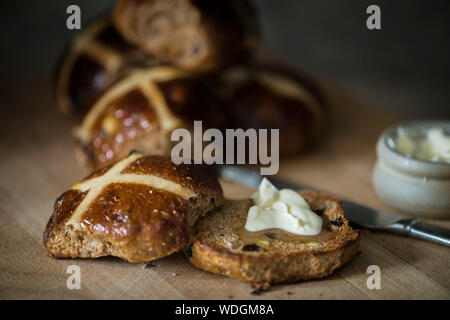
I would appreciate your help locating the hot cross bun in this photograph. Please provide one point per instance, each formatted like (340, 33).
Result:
(263, 96)
(94, 60)
(191, 34)
(138, 209)
(141, 111)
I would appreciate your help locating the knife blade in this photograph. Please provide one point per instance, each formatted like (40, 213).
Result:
(357, 214)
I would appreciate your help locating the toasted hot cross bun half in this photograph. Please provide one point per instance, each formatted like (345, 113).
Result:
(263, 96)
(191, 34)
(141, 111)
(139, 209)
(222, 245)
(94, 60)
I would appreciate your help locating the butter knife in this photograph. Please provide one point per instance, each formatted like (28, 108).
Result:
(357, 214)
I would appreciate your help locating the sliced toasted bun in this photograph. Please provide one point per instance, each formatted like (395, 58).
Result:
(223, 246)
(139, 209)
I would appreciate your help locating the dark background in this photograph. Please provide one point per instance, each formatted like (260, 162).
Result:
(404, 67)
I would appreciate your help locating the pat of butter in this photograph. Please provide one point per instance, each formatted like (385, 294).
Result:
(283, 209)
(435, 146)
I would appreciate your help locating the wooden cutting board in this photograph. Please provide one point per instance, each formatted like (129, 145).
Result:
(37, 164)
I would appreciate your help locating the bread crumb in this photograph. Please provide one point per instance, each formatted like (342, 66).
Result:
(148, 265)
(260, 288)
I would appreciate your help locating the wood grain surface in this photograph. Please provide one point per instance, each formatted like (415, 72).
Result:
(37, 164)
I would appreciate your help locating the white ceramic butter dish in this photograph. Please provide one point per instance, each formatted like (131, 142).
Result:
(409, 182)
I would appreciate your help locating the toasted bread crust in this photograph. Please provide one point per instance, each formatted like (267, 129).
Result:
(283, 260)
(136, 221)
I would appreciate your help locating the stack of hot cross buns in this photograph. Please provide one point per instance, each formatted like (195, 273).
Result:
(148, 67)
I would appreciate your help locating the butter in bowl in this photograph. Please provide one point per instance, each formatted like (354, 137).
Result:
(412, 173)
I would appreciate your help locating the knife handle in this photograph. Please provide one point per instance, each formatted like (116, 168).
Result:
(422, 230)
